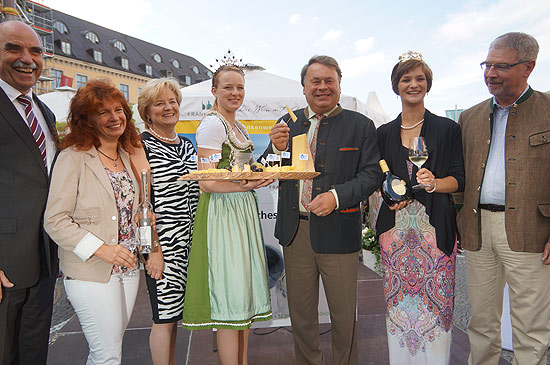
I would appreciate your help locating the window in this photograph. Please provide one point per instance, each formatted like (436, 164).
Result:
(92, 37)
(61, 27)
(139, 90)
(149, 70)
(187, 80)
(56, 75)
(157, 57)
(125, 89)
(66, 47)
(195, 69)
(81, 80)
(125, 63)
(98, 56)
(209, 73)
(176, 63)
(169, 73)
(120, 46)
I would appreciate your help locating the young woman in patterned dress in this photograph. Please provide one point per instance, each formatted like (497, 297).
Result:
(417, 238)
(169, 156)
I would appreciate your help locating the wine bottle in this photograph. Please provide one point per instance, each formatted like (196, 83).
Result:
(393, 188)
(145, 217)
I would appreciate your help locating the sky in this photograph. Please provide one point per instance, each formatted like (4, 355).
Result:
(366, 37)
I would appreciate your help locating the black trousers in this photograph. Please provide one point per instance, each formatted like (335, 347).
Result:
(25, 318)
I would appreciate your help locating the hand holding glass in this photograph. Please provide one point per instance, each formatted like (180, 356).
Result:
(418, 154)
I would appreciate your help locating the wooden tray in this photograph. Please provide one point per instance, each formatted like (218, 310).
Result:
(290, 175)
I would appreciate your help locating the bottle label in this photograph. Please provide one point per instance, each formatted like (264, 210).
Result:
(383, 166)
(145, 239)
(398, 186)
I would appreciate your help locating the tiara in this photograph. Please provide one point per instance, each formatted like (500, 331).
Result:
(228, 59)
(410, 56)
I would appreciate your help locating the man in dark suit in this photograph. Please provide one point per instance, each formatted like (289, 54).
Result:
(28, 259)
(319, 221)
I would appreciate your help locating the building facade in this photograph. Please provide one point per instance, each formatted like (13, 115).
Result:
(77, 51)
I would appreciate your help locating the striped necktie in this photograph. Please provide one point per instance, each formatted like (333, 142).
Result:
(34, 126)
(307, 185)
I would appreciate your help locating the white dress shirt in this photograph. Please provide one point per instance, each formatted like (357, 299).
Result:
(13, 94)
(493, 188)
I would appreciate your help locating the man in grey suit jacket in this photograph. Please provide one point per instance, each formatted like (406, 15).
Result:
(28, 259)
(321, 233)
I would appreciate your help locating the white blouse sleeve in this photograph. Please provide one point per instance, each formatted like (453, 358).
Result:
(211, 133)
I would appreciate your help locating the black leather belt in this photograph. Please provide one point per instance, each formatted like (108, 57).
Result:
(304, 217)
(492, 207)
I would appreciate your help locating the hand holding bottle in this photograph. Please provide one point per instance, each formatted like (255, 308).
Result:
(400, 205)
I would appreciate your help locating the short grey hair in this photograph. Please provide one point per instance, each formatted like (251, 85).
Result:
(324, 60)
(526, 45)
(151, 91)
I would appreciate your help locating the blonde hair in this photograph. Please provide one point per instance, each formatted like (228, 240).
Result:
(151, 91)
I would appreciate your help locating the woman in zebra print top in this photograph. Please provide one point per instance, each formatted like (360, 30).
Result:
(169, 156)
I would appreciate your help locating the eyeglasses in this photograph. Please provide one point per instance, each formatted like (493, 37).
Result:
(499, 67)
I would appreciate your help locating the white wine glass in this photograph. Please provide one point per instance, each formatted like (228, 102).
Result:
(418, 154)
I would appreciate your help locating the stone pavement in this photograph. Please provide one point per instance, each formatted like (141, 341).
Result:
(266, 346)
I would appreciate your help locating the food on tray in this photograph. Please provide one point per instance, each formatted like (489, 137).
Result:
(291, 113)
(257, 167)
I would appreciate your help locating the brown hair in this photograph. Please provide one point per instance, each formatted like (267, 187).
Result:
(220, 70)
(403, 67)
(324, 60)
(83, 133)
(151, 91)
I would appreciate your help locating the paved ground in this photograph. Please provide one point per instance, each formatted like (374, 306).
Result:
(267, 346)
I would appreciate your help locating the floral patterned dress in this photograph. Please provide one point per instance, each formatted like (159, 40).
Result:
(419, 284)
(124, 197)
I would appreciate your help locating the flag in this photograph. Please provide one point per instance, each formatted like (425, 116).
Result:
(66, 81)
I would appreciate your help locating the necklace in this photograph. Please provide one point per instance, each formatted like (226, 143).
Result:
(161, 137)
(112, 159)
(412, 126)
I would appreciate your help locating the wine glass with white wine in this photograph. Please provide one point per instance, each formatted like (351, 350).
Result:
(418, 154)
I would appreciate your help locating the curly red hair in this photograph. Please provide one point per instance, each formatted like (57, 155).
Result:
(83, 133)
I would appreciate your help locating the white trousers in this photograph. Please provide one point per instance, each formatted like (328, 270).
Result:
(103, 310)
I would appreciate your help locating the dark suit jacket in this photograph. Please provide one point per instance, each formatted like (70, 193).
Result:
(527, 161)
(347, 157)
(24, 246)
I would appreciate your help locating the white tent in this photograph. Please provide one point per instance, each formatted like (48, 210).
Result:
(266, 95)
(378, 114)
(59, 101)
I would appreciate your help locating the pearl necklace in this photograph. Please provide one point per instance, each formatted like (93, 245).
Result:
(412, 126)
(166, 139)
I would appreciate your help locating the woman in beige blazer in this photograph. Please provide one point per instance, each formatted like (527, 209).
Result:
(94, 195)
